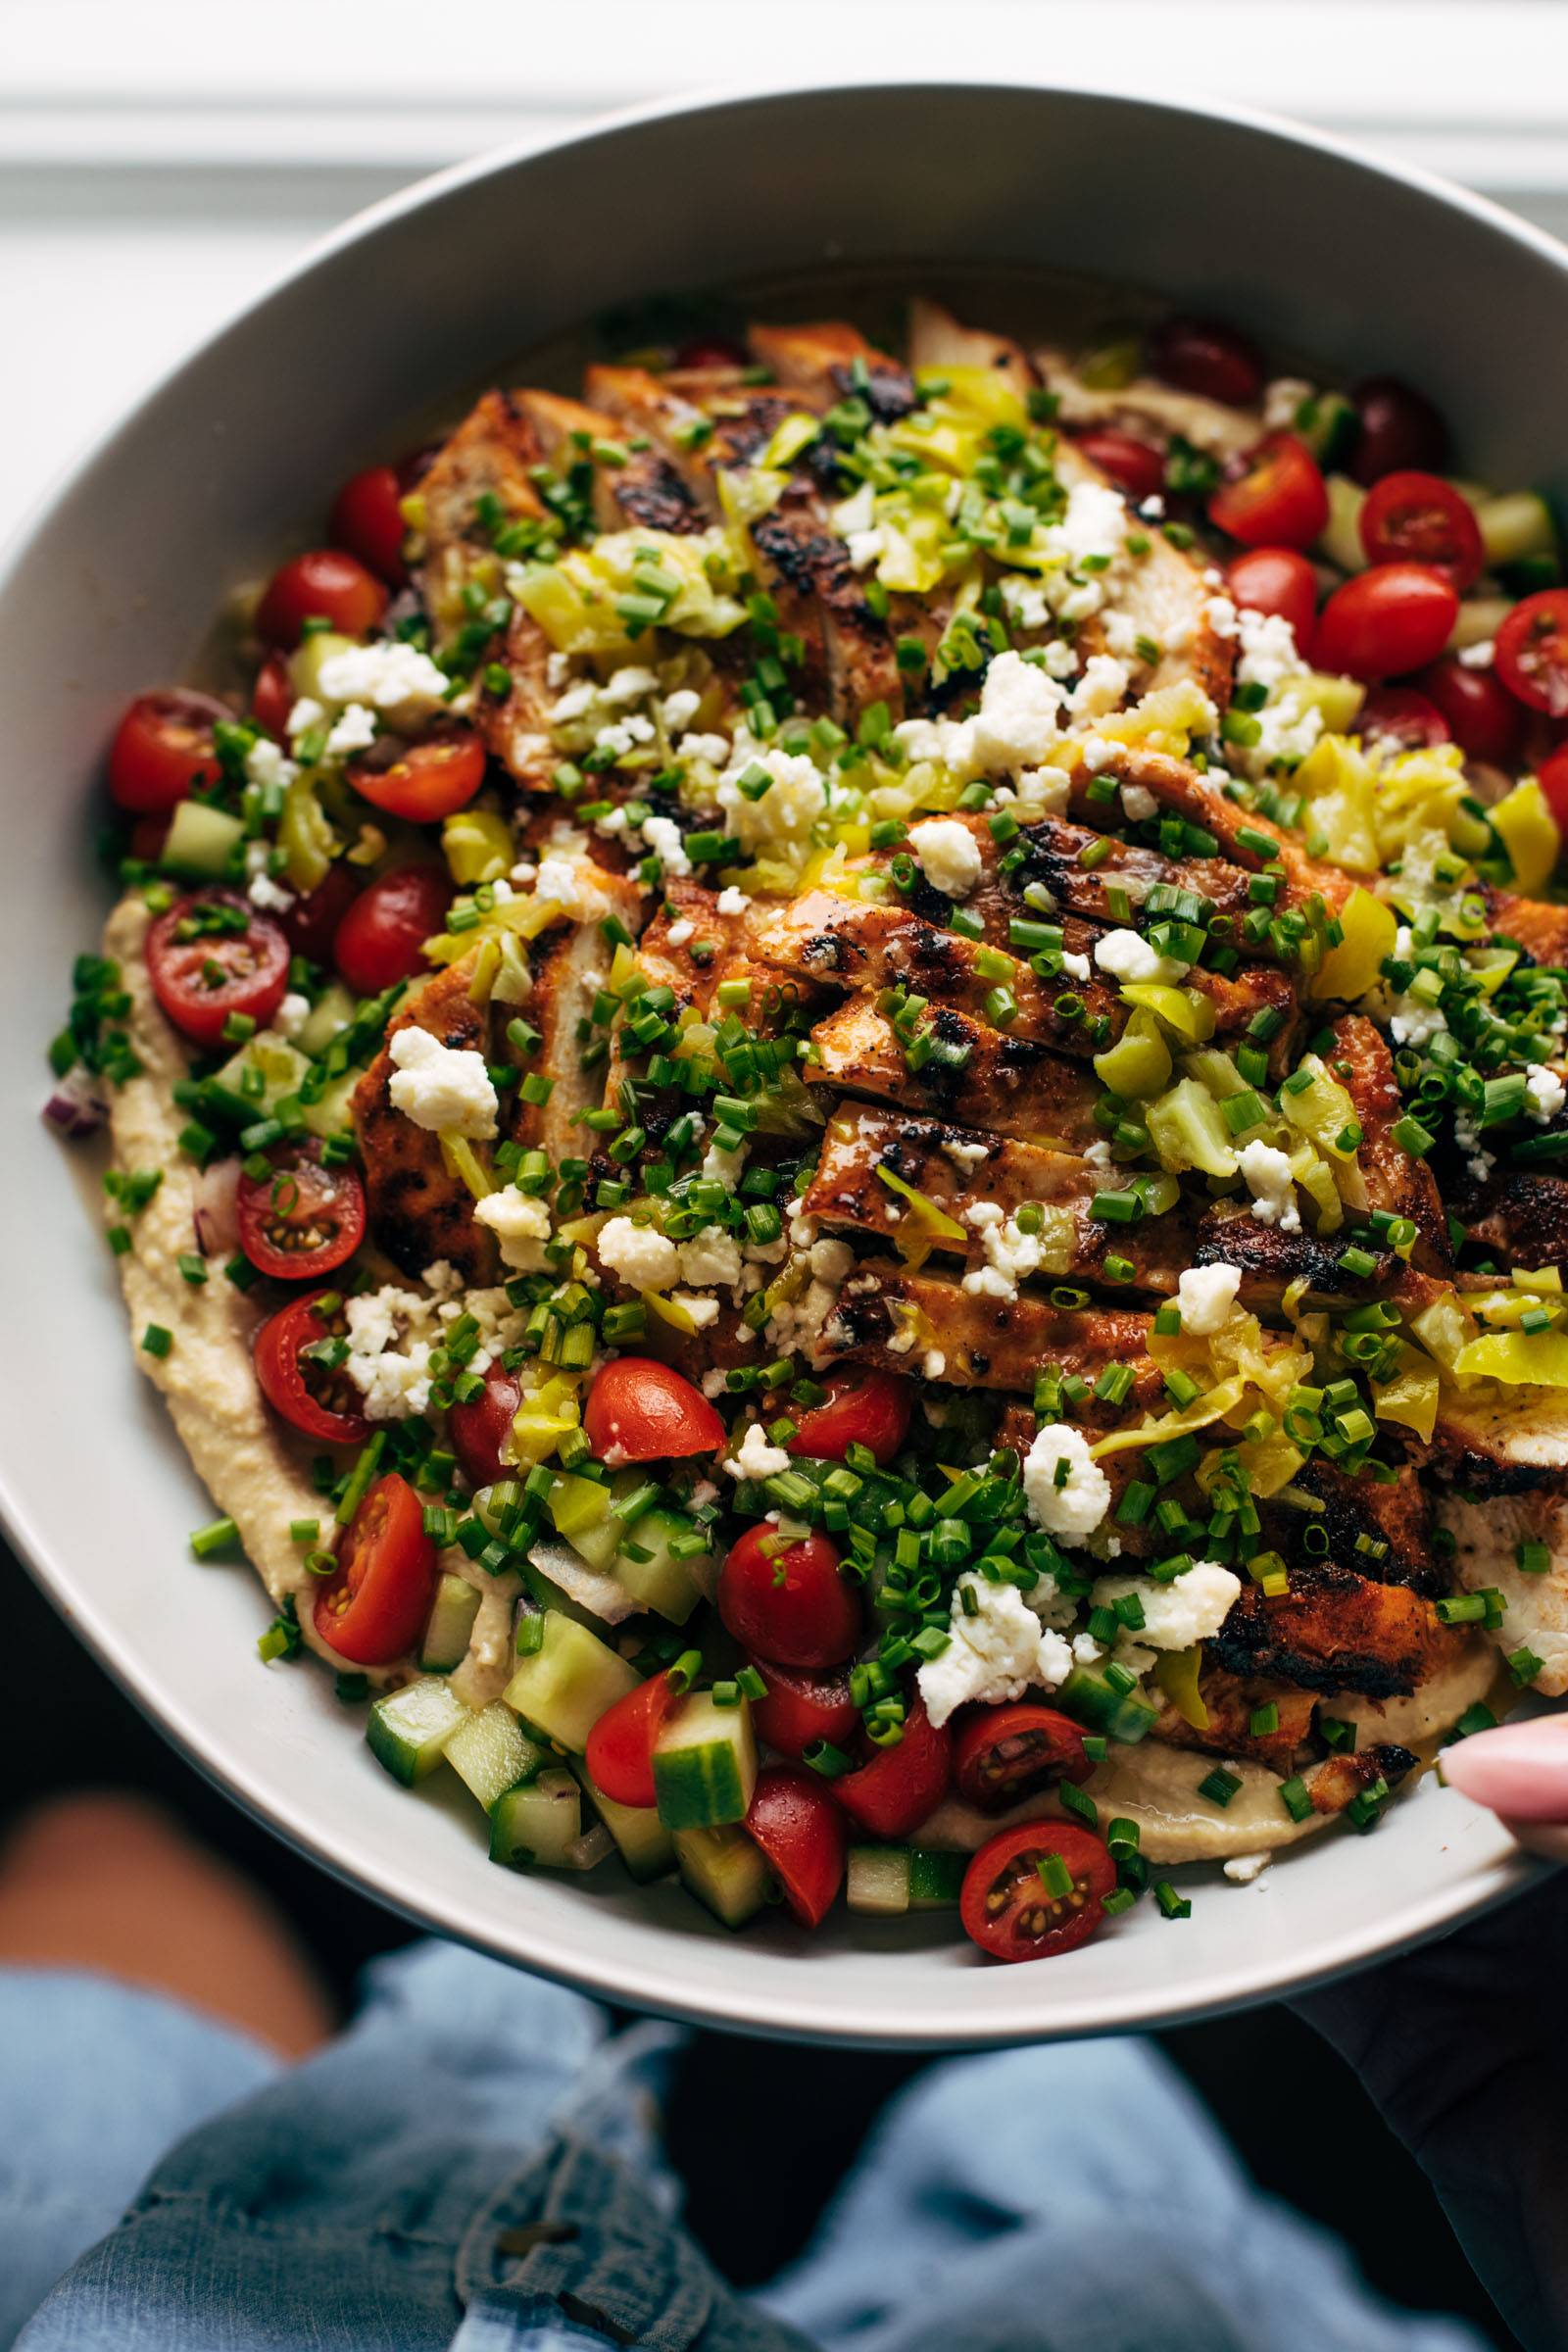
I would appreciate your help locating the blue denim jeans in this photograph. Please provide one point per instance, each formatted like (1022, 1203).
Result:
(474, 2165)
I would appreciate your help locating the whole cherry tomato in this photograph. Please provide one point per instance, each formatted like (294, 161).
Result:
(1277, 580)
(902, 1785)
(1003, 1754)
(1279, 500)
(1402, 716)
(1382, 622)
(162, 747)
(639, 1410)
(422, 781)
(478, 1429)
(310, 923)
(1482, 715)
(374, 1608)
(1135, 466)
(1532, 652)
(318, 1401)
(381, 935)
(323, 584)
(1400, 432)
(1215, 361)
(1420, 518)
(801, 1708)
(368, 520)
(786, 1598)
(1010, 1909)
(862, 1408)
(301, 1220)
(801, 1831)
(211, 955)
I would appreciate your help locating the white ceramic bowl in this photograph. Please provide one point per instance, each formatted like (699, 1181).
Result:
(1317, 250)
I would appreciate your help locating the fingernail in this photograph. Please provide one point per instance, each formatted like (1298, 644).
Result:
(1521, 1769)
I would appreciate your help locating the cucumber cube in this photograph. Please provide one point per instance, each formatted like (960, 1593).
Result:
(890, 1879)
(705, 1764)
(451, 1616)
(538, 1824)
(645, 1846)
(491, 1753)
(408, 1729)
(571, 1679)
(724, 1869)
(650, 1571)
(203, 843)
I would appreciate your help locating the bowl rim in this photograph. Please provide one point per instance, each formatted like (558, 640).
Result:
(1504, 1873)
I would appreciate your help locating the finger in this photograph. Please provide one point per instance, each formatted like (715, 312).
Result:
(1547, 1839)
(1520, 1769)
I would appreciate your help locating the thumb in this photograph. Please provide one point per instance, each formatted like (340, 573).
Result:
(1521, 1772)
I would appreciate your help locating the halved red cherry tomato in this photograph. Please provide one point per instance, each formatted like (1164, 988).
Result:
(424, 780)
(1382, 622)
(1136, 467)
(1552, 777)
(641, 1411)
(318, 1403)
(1198, 356)
(1006, 1905)
(787, 1599)
(1003, 1754)
(620, 1754)
(310, 923)
(368, 520)
(323, 584)
(1400, 714)
(1532, 652)
(162, 748)
(1482, 715)
(272, 696)
(711, 351)
(1278, 501)
(1277, 580)
(900, 1787)
(477, 1429)
(205, 962)
(862, 1408)
(801, 1708)
(303, 1219)
(383, 934)
(800, 1830)
(1420, 518)
(1400, 431)
(374, 1608)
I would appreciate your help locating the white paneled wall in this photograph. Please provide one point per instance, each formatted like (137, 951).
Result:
(160, 161)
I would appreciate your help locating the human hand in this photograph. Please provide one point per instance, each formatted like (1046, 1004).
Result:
(1462, 2044)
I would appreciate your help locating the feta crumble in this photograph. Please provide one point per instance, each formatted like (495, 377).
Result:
(1128, 956)
(999, 1653)
(637, 1256)
(754, 1457)
(1267, 1175)
(1076, 1504)
(1191, 1609)
(1205, 1296)
(948, 854)
(389, 676)
(443, 1088)
(520, 1224)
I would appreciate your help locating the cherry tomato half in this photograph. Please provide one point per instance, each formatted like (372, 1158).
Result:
(801, 1831)
(1006, 1905)
(801, 1707)
(323, 584)
(374, 1608)
(788, 1600)
(1482, 715)
(1420, 518)
(1137, 468)
(862, 1408)
(1400, 431)
(303, 1219)
(1552, 777)
(310, 923)
(368, 520)
(1278, 501)
(1198, 356)
(421, 781)
(162, 748)
(1003, 1754)
(320, 1403)
(620, 1754)
(900, 1787)
(1382, 622)
(1532, 652)
(272, 696)
(211, 954)
(1277, 580)
(641, 1411)
(711, 351)
(1402, 716)
(478, 1428)
(383, 934)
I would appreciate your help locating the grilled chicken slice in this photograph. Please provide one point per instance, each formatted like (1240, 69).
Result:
(1520, 1214)
(1504, 1441)
(1538, 927)
(1270, 1260)
(1357, 1515)
(1395, 1181)
(983, 1342)
(831, 359)
(1230, 1704)
(981, 1076)
(1339, 1780)
(1337, 1631)
(1490, 1536)
(419, 1211)
(569, 967)
(491, 457)
(639, 489)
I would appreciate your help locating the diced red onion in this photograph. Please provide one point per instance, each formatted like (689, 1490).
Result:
(588, 1850)
(77, 1108)
(217, 1208)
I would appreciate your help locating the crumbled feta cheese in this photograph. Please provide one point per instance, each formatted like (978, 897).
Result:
(1137, 806)
(354, 732)
(1222, 617)
(1094, 525)
(1075, 966)
(272, 898)
(712, 749)
(393, 1378)
(1205, 1296)
(1192, 1608)
(558, 881)
(1066, 1490)
(714, 1383)
(265, 766)
(948, 854)
(754, 1457)
(1267, 1174)
(702, 1311)
(1019, 717)
(1010, 1253)
(1269, 653)
(1039, 791)
(1101, 688)
(1475, 656)
(783, 816)
(710, 1257)
(1545, 1092)
(292, 1014)
(1414, 1023)
(1283, 402)
(444, 1089)
(629, 685)
(1246, 1870)
(732, 900)
(1128, 956)
(1121, 633)
(967, 1155)
(664, 836)
(1098, 753)
(641, 1258)
(391, 675)
(999, 1653)
(520, 1224)
(679, 933)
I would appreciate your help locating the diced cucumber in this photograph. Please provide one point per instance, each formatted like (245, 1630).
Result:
(571, 1679)
(558, 1578)
(1480, 620)
(492, 1753)
(305, 665)
(204, 843)
(330, 1113)
(451, 1616)
(582, 1513)
(256, 1079)
(650, 1572)
(1339, 700)
(1341, 536)
(1516, 525)
(646, 1846)
(408, 1729)
(1329, 425)
(724, 1869)
(705, 1764)
(1090, 1698)
(890, 1879)
(332, 1010)
(537, 1823)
